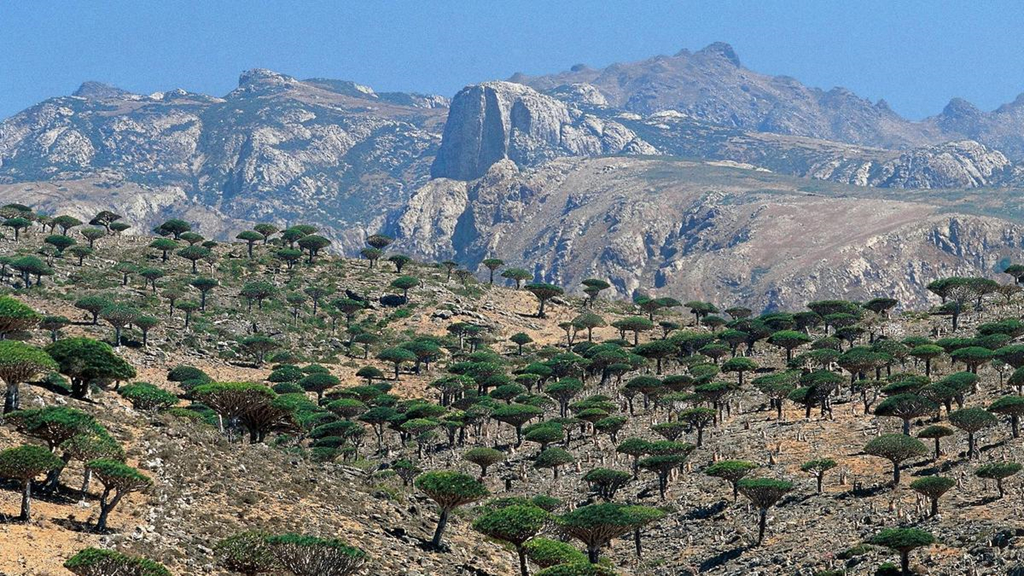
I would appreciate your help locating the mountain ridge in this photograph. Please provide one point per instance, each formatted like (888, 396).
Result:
(442, 175)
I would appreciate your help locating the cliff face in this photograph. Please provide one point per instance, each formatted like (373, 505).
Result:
(723, 234)
(501, 120)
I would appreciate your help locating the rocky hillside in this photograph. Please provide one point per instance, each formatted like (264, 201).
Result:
(637, 438)
(723, 233)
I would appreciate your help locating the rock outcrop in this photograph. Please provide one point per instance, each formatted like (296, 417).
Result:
(962, 164)
(498, 120)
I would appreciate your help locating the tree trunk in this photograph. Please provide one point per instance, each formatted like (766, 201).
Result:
(761, 523)
(524, 567)
(26, 500)
(441, 523)
(86, 478)
(895, 474)
(12, 398)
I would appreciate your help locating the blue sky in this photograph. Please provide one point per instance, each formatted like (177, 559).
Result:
(915, 54)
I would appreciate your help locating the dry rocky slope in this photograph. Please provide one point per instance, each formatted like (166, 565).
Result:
(726, 234)
(208, 487)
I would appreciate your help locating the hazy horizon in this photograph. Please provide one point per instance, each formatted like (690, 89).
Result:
(915, 59)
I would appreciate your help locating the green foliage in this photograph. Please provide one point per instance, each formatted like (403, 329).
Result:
(818, 465)
(1012, 405)
(513, 524)
(145, 396)
(246, 553)
(577, 569)
(184, 373)
(85, 360)
(902, 539)
(789, 339)
(24, 463)
(517, 275)
(119, 476)
(606, 482)
(545, 552)
(730, 470)
(16, 316)
(932, 487)
(98, 562)
(597, 524)
(543, 292)
(484, 458)
(61, 243)
(997, 470)
(53, 424)
(450, 489)
(896, 448)
(906, 407)
(318, 383)
(553, 458)
(312, 556)
(972, 419)
(20, 362)
(764, 492)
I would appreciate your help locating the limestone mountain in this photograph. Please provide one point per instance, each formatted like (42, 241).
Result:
(706, 105)
(711, 85)
(276, 147)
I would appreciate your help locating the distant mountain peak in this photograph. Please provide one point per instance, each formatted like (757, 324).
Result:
(263, 77)
(347, 87)
(959, 107)
(100, 91)
(721, 49)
